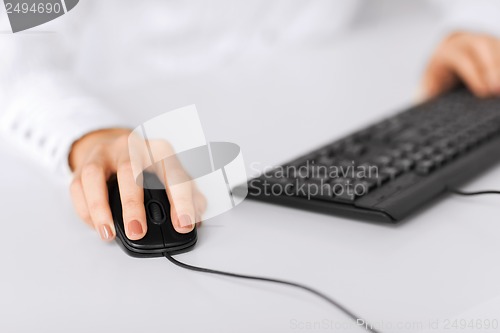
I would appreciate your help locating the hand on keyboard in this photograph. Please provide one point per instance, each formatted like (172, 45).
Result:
(392, 167)
(471, 58)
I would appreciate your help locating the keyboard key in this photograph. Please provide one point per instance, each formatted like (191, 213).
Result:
(340, 181)
(425, 167)
(391, 172)
(408, 148)
(439, 159)
(337, 147)
(355, 150)
(395, 154)
(346, 166)
(326, 160)
(379, 178)
(345, 197)
(405, 164)
(418, 156)
(318, 180)
(443, 144)
(362, 187)
(427, 151)
(372, 182)
(450, 153)
(382, 160)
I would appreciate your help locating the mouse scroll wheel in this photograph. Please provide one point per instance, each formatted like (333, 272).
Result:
(156, 212)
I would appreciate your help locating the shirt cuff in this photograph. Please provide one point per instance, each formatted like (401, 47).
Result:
(49, 136)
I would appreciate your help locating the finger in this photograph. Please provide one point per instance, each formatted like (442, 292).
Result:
(182, 210)
(494, 72)
(438, 78)
(94, 175)
(79, 201)
(470, 71)
(486, 53)
(180, 195)
(200, 204)
(132, 198)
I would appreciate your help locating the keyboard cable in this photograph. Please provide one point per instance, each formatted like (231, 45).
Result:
(315, 292)
(458, 192)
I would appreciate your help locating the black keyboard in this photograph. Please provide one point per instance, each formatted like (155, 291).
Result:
(388, 170)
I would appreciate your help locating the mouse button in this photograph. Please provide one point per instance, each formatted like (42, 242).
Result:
(152, 240)
(147, 195)
(169, 233)
(172, 238)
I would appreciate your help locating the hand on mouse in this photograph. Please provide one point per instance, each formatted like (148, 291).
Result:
(98, 155)
(471, 58)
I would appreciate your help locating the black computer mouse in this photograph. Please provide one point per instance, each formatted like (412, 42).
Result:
(161, 236)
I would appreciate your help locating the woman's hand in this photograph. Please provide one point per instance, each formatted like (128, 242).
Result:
(471, 58)
(98, 155)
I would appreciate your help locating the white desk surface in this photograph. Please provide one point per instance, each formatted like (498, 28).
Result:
(57, 276)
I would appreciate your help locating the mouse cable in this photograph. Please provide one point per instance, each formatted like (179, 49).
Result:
(458, 192)
(337, 305)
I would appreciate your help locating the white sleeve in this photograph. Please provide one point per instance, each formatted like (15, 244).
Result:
(43, 110)
(482, 16)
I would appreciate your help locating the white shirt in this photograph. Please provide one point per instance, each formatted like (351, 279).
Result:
(47, 80)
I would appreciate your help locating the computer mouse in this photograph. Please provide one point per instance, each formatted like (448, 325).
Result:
(161, 236)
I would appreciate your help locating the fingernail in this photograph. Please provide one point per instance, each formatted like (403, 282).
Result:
(185, 221)
(135, 228)
(105, 232)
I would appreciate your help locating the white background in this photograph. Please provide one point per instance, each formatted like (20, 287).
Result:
(57, 276)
